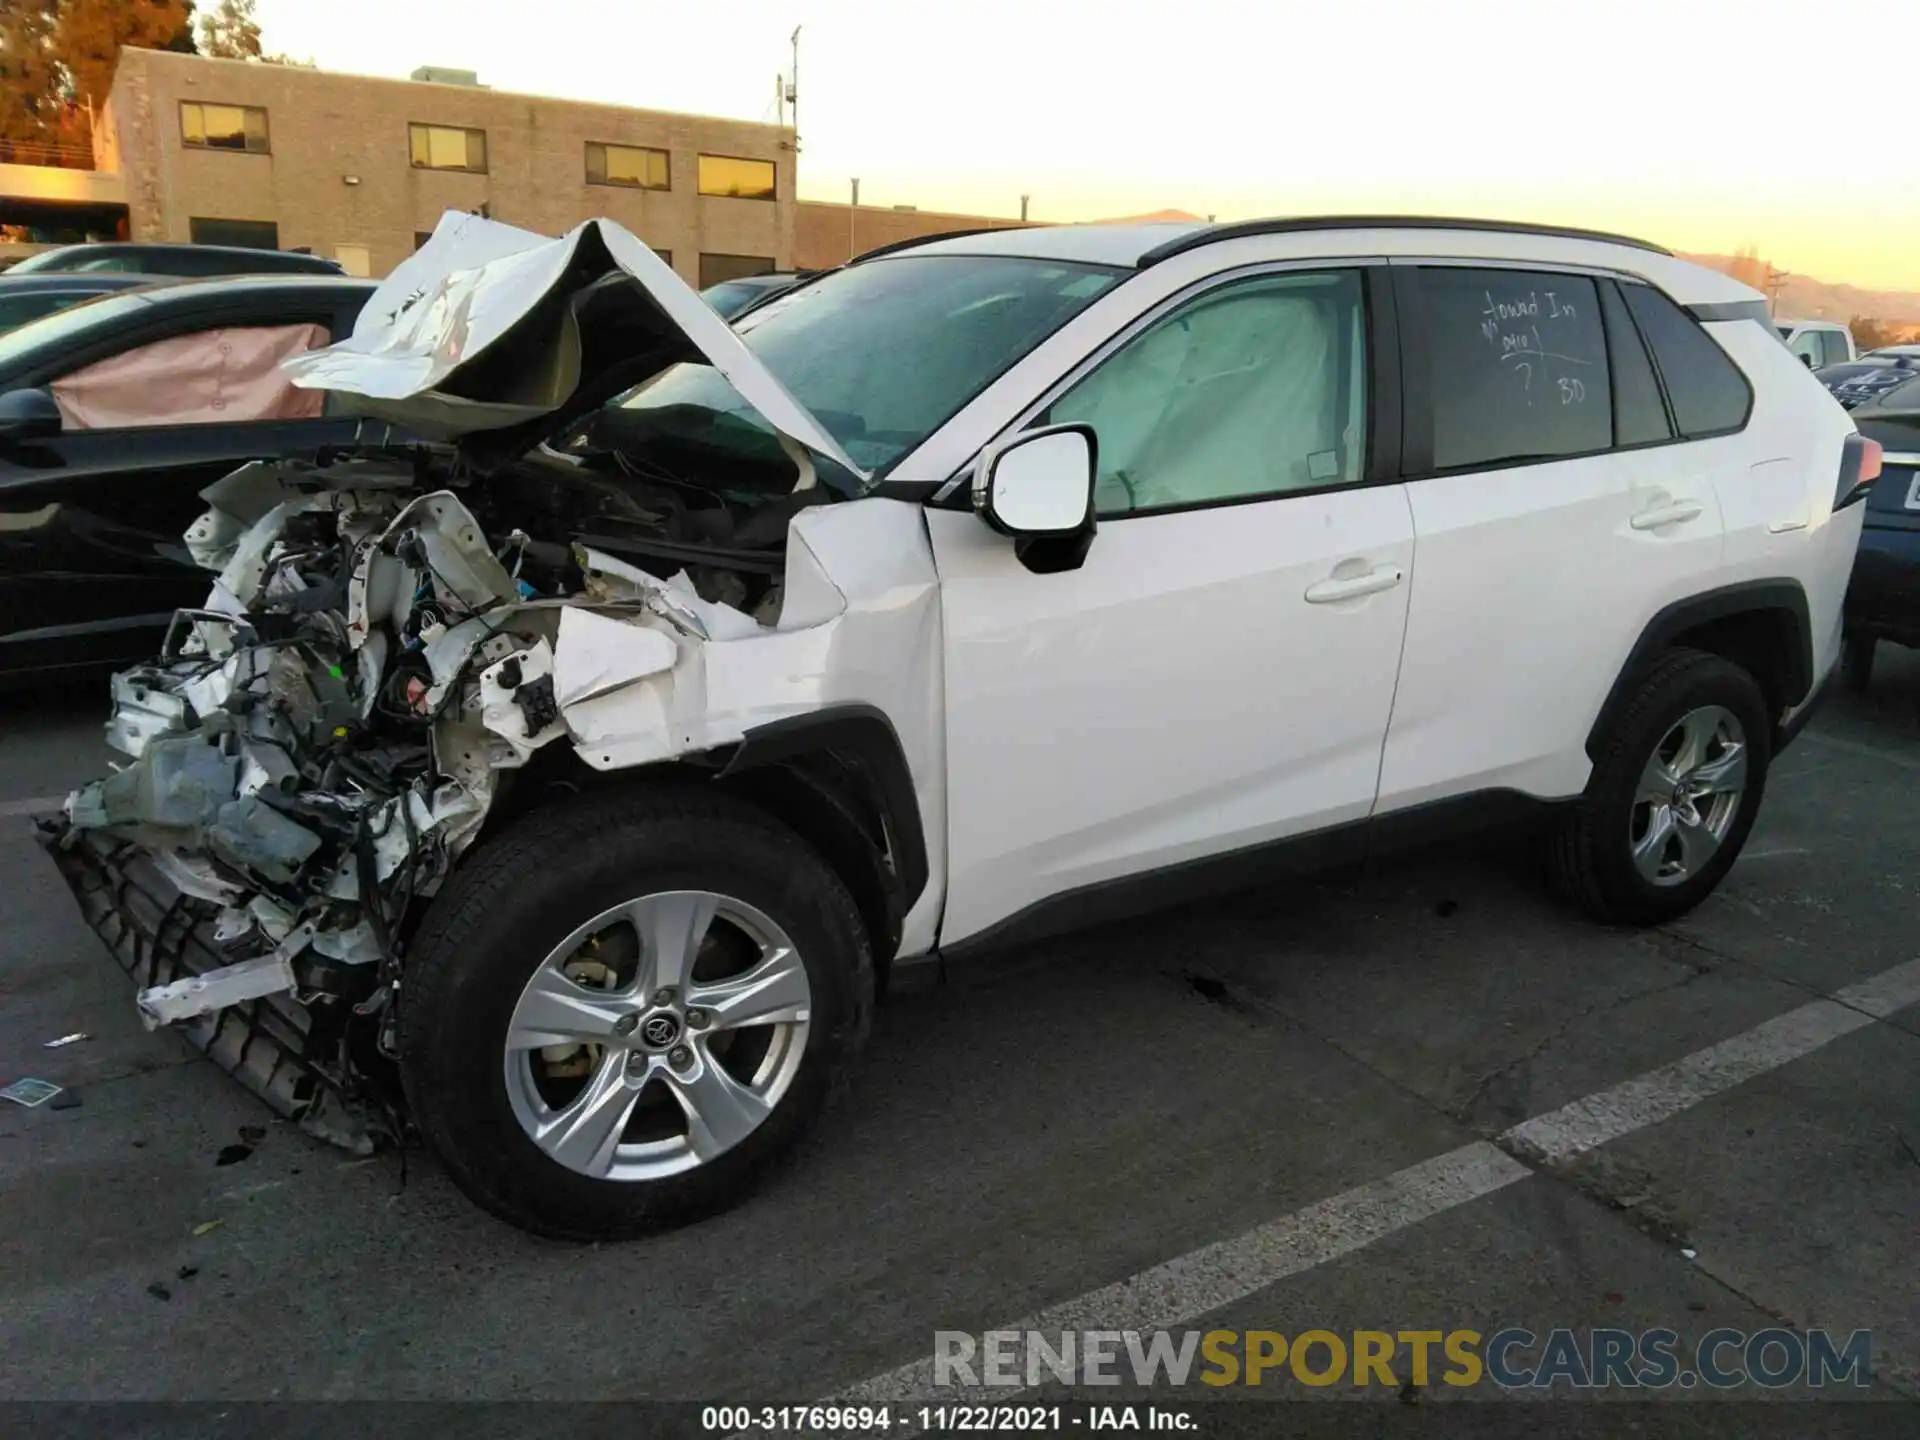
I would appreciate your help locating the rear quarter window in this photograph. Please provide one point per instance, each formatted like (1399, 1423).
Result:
(1518, 366)
(1708, 393)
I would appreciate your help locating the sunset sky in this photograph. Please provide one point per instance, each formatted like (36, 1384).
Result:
(1701, 124)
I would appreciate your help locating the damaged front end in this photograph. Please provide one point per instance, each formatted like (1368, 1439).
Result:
(393, 641)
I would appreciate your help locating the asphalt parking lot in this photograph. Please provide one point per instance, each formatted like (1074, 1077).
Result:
(1030, 1134)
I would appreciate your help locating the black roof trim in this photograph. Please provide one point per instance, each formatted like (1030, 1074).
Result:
(898, 245)
(1239, 229)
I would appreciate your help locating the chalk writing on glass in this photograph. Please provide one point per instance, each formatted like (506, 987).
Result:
(1512, 325)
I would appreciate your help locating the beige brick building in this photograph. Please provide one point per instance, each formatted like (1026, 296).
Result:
(224, 151)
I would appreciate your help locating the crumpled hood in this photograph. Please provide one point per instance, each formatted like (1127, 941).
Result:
(499, 338)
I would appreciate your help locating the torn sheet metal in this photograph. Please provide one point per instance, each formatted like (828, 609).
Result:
(215, 990)
(419, 351)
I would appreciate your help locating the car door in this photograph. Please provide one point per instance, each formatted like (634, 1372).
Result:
(1553, 516)
(1218, 673)
(92, 560)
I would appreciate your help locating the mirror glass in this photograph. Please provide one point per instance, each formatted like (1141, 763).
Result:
(1043, 485)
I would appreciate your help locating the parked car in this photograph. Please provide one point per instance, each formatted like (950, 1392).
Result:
(732, 297)
(181, 260)
(1818, 342)
(1016, 581)
(114, 415)
(28, 297)
(1872, 375)
(1883, 598)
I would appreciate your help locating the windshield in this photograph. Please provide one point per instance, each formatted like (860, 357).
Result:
(51, 332)
(882, 354)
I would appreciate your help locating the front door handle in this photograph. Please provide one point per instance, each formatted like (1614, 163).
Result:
(1326, 592)
(1676, 513)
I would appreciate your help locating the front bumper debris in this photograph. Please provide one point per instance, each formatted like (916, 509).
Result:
(287, 1053)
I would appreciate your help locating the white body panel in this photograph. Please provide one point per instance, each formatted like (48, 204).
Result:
(1174, 698)
(1530, 588)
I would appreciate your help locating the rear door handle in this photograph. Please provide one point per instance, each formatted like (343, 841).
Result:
(1326, 592)
(1677, 513)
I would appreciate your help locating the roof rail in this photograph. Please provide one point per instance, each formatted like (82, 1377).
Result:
(929, 239)
(1238, 229)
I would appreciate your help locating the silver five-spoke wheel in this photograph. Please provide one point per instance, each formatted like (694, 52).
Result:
(657, 1036)
(1689, 795)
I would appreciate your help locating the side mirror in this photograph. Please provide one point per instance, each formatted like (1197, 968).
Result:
(1038, 488)
(1807, 360)
(28, 415)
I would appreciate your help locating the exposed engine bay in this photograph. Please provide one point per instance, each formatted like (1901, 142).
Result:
(377, 660)
(406, 645)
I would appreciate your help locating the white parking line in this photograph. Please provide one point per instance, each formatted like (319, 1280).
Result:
(1182, 1290)
(41, 805)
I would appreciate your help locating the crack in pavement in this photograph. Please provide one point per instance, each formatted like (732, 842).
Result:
(1792, 982)
(1464, 1110)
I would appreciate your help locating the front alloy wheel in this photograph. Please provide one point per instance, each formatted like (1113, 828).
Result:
(658, 1035)
(623, 1011)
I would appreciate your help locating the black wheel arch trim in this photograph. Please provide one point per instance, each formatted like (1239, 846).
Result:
(865, 734)
(1782, 596)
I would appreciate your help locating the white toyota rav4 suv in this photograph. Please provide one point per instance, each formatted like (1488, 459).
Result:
(564, 787)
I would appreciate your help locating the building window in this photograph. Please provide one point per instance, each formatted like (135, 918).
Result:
(444, 147)
(716, 268)
(633, 165)
(223, 127)
(248, 234)
(727, 175)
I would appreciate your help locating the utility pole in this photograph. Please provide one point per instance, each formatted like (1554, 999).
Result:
(793, 89)
(780, 101)
(1023, 208)
(851, 252)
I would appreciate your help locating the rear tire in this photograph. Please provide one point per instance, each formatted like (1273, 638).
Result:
(1856, 662)
(552, 926)
(1661, 822)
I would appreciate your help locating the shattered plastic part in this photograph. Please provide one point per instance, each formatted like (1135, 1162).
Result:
(386, 639)
(229, 985)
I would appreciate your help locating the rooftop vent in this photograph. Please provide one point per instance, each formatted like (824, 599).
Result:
(441, 75)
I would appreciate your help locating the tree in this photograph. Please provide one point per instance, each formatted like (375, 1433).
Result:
(1872, 334)
(30, 82)
(230, 31)
(90, 34)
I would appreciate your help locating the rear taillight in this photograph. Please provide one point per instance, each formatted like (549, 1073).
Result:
(1860, 460)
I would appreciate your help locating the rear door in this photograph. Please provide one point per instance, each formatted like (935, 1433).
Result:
(92, 560)
(1553, 514)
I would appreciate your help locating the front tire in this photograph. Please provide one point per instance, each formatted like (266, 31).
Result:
(1675, 789)
(621, 1013)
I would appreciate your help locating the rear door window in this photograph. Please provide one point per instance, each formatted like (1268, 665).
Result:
(1517, 365)
(1836, 344)
(1708, 393)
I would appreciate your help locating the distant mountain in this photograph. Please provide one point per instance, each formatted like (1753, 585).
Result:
(1804, 298)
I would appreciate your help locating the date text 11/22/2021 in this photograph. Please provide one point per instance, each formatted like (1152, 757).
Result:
(882, 1419)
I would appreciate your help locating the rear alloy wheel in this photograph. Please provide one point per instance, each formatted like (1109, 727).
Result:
(1675, 790)
(623, 1011)
(1690, 792)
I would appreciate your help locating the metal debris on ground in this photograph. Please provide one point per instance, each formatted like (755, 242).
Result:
(207, 1227)
(30, 1092)
(74, 1039)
